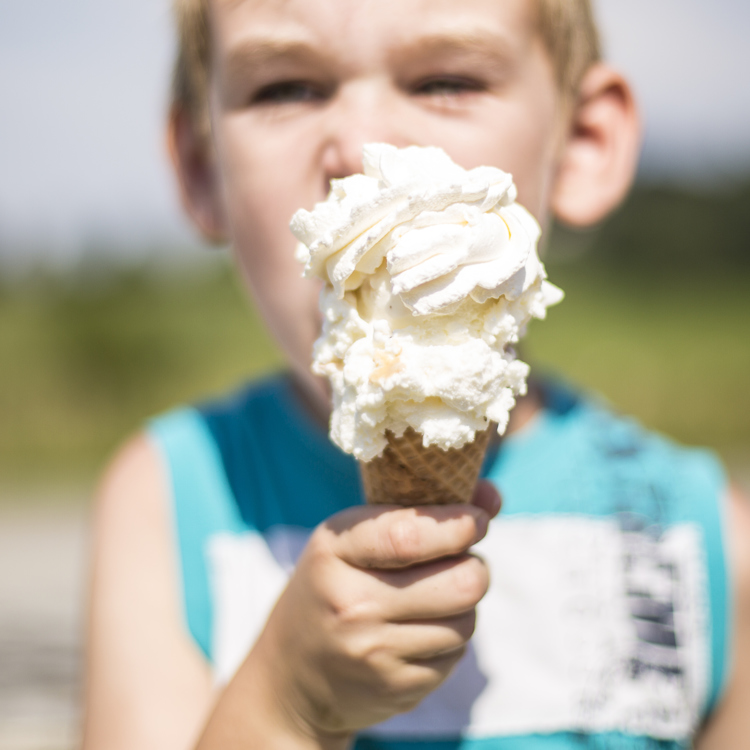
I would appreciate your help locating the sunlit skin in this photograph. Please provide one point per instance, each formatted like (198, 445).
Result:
(382, 602)
(299, 87)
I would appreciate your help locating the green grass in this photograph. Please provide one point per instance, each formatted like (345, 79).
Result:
(82, 365)
(674, 352)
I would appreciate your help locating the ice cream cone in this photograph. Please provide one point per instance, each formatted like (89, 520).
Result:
(407, 473)
(430, 275)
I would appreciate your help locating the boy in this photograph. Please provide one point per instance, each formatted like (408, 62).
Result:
(376, 606)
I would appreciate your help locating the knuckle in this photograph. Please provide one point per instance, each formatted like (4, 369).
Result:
(348, 607)
(363, 649)
(469, 527)
(471, 580)
(402, 540)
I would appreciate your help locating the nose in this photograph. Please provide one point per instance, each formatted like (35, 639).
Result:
(358, 115)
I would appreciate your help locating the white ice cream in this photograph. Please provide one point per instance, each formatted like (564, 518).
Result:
(431, 274)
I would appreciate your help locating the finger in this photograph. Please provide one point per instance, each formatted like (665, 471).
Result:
(396, 537)
(435, 590)
(427, 639)
(441, 664)
(427, 674)
(409, 682)
(487, 497)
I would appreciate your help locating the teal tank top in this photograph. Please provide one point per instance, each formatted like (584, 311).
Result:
(607, 620)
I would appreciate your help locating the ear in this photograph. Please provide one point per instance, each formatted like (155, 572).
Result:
(599, 160)
(194, 162)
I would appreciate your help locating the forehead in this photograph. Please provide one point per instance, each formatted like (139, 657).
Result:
(362, 29)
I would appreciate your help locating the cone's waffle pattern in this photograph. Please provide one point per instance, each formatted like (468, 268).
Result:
(407, 473)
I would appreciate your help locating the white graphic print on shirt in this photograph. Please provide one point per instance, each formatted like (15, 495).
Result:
(590, 624)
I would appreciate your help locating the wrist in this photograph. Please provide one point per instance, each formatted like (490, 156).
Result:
(251, 712)
(286, 706)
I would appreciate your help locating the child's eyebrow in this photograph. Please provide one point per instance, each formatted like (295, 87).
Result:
(481, 45)
(253, 53)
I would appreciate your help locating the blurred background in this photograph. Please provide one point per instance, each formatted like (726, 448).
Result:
(111, 311)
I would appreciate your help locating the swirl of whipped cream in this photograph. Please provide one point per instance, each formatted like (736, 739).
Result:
(431, 275)
(446, 233)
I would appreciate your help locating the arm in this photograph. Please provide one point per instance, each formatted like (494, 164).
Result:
(730, 725)
(148, 686)
(377, 613)
(379, 609)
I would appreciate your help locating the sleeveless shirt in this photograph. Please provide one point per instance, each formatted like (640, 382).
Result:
(607, 620)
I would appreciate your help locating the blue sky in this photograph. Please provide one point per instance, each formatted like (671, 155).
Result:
(82, 91)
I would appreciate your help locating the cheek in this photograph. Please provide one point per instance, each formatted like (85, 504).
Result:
(526, 147)
(269, 171)
(519, 133)
(260, 203)
(287, 302)
(262, 192)
(539, 125)
(531, 161)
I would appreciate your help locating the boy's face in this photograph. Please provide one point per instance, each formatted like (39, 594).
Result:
(300, 85)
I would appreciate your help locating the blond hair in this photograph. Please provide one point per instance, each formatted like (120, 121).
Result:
(568, 29)
(193, 62)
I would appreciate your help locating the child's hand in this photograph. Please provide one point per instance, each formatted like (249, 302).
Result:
(378, 612)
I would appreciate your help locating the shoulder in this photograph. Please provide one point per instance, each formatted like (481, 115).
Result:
(739, 535)
(580, 456)
(131, 512)
(232, 423)
(738, 541)
(251, 398)
(147, 683)
(737, 531)
(730, 724)
(132, 507)
(690, 481)
(133, 488)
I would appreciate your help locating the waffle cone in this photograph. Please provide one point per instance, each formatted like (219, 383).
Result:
(407, 473)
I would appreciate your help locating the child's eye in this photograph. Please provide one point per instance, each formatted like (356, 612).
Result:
(447, 86)
(286, 92)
